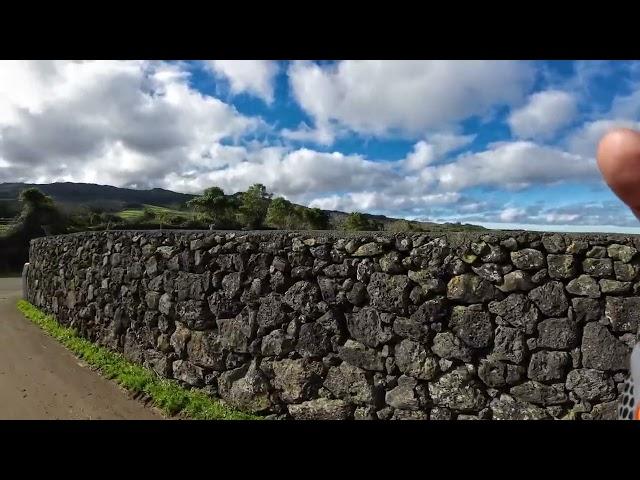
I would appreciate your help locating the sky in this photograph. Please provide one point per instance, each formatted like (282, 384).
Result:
(504, 144)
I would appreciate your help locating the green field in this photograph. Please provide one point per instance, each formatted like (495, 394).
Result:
(4, 228)
(137, 214)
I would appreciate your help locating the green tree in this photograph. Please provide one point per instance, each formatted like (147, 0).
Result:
(404, 226)
(216, 205)
(356, 221)
(253, 206)
(283, 214)
(39, 213)
(316, 219)
(148, 214)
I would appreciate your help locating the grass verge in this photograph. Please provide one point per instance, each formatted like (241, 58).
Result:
(165, 394)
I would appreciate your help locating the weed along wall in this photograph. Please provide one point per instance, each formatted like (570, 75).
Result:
(319, 325)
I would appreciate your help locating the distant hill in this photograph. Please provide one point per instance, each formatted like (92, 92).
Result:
(82, 195)
(101, 196)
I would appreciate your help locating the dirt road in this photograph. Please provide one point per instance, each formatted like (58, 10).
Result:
(40, 379)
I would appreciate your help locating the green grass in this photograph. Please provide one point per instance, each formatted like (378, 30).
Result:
(165, 394)
(136, 214)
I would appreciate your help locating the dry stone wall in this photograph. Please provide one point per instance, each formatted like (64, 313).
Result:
(324, 325)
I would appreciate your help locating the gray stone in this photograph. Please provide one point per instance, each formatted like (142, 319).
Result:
(554, 243)
(277, 343)
(245, 388)
(427, 281)
(403, 396)
(591, 385)
(447, 345)
(625, 272)
(321, 409)
(509, 345)
(392, 263)
(489, 271)
(457, 390)
(587, 309)
(194, 314)
(558, 334)
(166, 306)
(360, 356)
(517, 311)
(508, 408)
(296, 380)
(561, 266)
(584, 285)
(439, 413)
(516, 280)
(413, 359)
(496, 254)
(548, 366)
(605, 411)
(358, 294)
(597, 252)
(410, 328)
(431, 311)
(472, 325)
(601, 350)
(497, 374)
(152, 300)
(540, 394)
(365, 413)
(623, 314)
(470, 288)
(159, 363)
(577, 247)
(271, 312)
(409, 415)
(179, 340)
(188, 372)
(369, 250)
(365, 268)
(389, 293)
(236, 333)
(302, 296)
(624, 253)
(527, 259)
(366, 326)
(598, 267)
(205, 350)
(313, 340)
(350, 384)
(550, 299)
(614, 287)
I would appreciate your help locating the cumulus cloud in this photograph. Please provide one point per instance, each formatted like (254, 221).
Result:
(114, 122)
(410, 97)
(437, 145)
(512, 165)
(321, 134)
(544, 114)
(584, 140)
(254, 77)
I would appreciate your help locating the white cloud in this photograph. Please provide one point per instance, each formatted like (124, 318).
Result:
(371, 201)
(512, 214)
(113, 122)
(434, 148)
(512, 165)
(584, 140)
(410, 97)
(255, 77)
(321, 135)
(543, 115)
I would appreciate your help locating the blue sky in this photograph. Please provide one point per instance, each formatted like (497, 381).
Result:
(506, 144)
